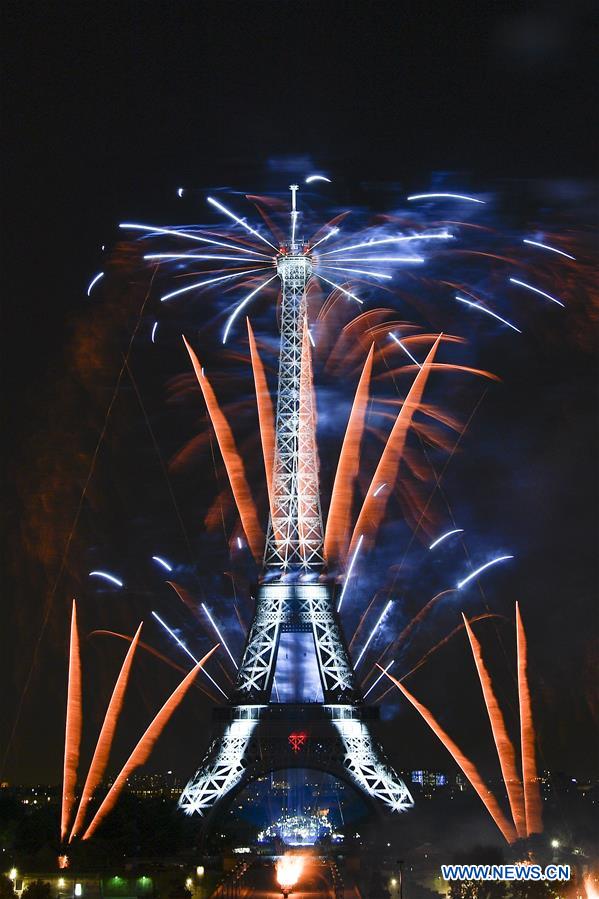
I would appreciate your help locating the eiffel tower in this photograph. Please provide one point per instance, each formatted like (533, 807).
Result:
(296, 702)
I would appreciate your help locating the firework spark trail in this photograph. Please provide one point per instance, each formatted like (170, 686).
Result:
(422, 661)
(484, 309)
(379, 678)
(170, 232)
(445, 536)
(536, 290)
(441, 235)
(145, 745)
(103, 746)
(158, 655)
(338, 287)
(186, 599)
(241, 222)
(532, 797)
(464, 763)
(544, 246)
(197, 284)
(336, 538)
(72, 738)
(266, 418)
(187, 651)
(372, 511)
(363, 618)
(373, 632)
(349, 571)
(233, 462)
(218, 633)
(503, 744)
(243, 304)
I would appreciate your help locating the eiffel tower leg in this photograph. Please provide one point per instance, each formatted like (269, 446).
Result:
(367, 766)
(222, 769)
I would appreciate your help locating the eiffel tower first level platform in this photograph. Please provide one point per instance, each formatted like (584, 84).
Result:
(296, 704)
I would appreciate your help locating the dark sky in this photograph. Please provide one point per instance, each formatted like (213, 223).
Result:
(107, 107)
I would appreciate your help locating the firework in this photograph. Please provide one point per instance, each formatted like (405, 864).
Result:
(532, 797)
(371, 513)
(464, 763)
(503, 744)
(72, 738)
(145, 745)
(336, 538)
(233, 462)
(104, 744)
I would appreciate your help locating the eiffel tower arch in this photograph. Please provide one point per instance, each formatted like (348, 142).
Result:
(296, 701)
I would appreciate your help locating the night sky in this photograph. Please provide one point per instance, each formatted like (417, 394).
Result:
(107, 109)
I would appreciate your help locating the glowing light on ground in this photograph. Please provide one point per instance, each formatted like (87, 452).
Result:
(349, 571)
(94, 281)
(404, 348)
(373, 632)
(186, 650)
(336, 536)
(145, 745)
(503, 744)
(446, 197)
(541, 293)
(218, 633)
(163, 563)
(240, 221)
(488, 312)
(482, 568)
(532, 795)
(107, 577)
(470, 771)
(545, 246)
(243, 304)
(101, 754)
(233, 462)
(72, 739)
(445, 536)
(289, 870)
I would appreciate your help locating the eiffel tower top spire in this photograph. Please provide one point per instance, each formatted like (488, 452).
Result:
(295, 533)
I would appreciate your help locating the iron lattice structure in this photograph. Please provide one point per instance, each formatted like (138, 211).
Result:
(294, 599)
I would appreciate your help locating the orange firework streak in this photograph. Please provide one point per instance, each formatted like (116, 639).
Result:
(503, 744)
(336, 536)
(104, 744)
(72, 729)
(532, 797)
(233, 463)
(465, 764)
(265, 413)
(143, 749)
(373, 508)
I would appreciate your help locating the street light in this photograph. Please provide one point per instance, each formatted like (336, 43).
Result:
(12, 874)
(555, 844)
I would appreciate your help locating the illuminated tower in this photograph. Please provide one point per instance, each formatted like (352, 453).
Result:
(296, 700)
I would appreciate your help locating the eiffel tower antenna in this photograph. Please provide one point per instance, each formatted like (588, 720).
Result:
(295, 669)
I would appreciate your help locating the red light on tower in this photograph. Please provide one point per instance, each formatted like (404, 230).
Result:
(297, 740)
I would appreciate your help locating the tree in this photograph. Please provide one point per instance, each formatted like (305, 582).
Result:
(6, 888)
(37, 889)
